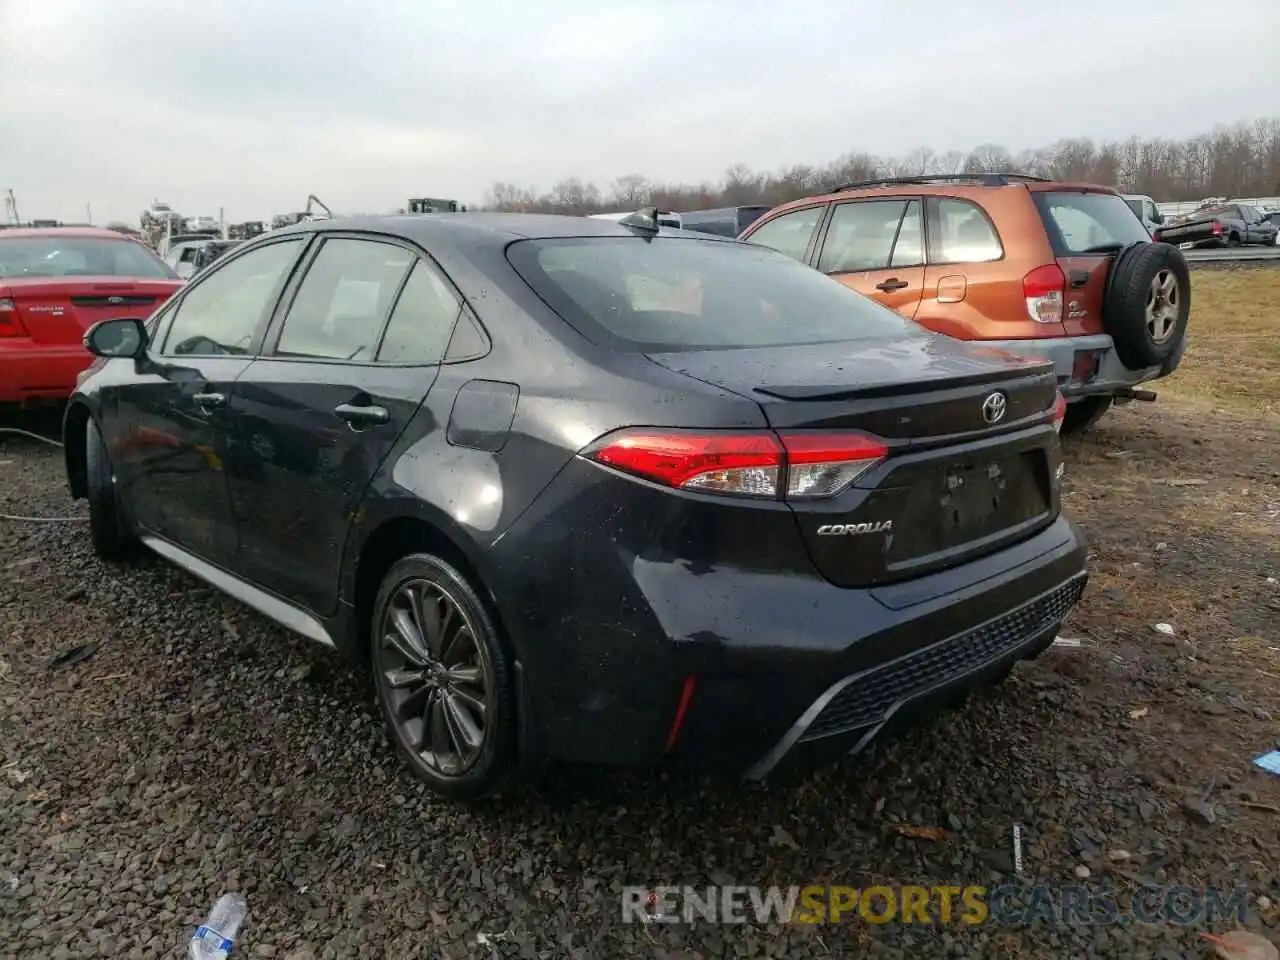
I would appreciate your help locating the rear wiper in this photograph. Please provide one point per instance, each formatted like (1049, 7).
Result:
(1103, 248)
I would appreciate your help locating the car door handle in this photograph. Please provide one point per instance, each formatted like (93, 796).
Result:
(209, 400)
(361, 415)
(893, 283)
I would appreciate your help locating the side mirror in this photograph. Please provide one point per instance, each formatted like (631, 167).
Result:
(121, 337)
(1158, 217)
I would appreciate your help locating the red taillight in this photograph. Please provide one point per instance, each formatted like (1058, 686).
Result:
(1044, 289)
(1059, 412)
(742, 464)
(10, 325)
(1217, 227)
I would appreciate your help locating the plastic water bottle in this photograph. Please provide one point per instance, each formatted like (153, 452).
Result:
(213, 938)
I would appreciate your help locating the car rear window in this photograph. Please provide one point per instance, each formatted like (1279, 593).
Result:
(1088, 223)
(674, 293)
(80, 257)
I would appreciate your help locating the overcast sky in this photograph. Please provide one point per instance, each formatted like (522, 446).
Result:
(251, 106)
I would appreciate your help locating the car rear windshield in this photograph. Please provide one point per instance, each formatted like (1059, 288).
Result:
(1088, 223)
(675, 293)
(79, 257)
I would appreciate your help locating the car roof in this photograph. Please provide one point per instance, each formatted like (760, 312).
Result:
(100, 232)
(481, 229)
(958, 188)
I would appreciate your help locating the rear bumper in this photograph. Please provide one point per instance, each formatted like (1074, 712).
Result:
(685, 636)
(36, 372)
(1112, 374)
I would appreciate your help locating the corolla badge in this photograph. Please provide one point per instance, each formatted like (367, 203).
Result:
(993, 407)
(853, 529)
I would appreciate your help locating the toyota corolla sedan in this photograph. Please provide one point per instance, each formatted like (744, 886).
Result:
(586, 490)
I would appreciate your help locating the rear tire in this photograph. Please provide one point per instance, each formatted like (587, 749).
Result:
(1148, 302)
(110, 532)
(444, 677)
(1084, 413)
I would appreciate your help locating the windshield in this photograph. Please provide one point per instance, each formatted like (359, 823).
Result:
(673, 293)
(1086, 223)
(72, 256)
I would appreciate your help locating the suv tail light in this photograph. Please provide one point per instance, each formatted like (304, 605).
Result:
(1059, 412)
(792, 466)
(10, 325)
(1217, 228)
(1044, 289)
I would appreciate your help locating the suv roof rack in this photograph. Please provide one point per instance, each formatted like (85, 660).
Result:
(982, 179)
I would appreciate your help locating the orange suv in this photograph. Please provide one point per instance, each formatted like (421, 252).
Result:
(1063, 271)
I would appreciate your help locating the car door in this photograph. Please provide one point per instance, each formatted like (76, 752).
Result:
(174, 415)
(354, 349)
(877, 248)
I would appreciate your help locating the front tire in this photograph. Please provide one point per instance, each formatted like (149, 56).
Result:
(444, 678)
(110, 532)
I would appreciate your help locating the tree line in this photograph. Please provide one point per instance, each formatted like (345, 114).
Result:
(1236, 161)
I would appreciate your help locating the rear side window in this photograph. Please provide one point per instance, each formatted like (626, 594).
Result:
(674, 293)
(343, 300)
(789, 233)
(421, 321)
(960, 232)
(1088, 223)
(866, 236)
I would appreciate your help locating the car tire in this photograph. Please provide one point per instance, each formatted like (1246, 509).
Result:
(1233, 240)
(431, 683)
(110, 531)
(1084, 413)
(1148, 302)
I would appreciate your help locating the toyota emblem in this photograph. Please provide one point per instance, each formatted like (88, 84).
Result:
(993, 407)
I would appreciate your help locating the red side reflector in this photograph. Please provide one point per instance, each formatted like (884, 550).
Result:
(682, 707)
(1059, 412)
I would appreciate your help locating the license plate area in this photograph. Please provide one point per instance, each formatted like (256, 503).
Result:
(965, 502)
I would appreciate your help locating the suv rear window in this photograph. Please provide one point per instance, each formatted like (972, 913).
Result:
(671, 294)
(1087, 223)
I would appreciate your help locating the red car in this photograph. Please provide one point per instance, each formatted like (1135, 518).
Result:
(57, 282)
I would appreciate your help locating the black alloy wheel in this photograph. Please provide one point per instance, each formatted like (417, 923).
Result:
(443, 677)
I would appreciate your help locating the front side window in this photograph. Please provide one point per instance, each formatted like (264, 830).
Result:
(343, 300)
(667, 294)
(220, 314)
(789, 233)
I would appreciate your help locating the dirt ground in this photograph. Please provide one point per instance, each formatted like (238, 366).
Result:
(201, 749)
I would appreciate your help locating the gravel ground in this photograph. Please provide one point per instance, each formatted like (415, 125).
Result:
(201, 749)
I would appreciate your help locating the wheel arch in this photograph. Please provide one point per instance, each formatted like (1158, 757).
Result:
(397, 536)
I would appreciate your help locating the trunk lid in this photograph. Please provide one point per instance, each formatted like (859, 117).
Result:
(59, 310)
(953, 487)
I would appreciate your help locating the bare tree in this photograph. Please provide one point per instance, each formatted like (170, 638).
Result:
(1243, 160)
(630, 191)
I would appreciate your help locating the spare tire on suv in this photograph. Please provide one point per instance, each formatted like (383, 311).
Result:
(1147, 303)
